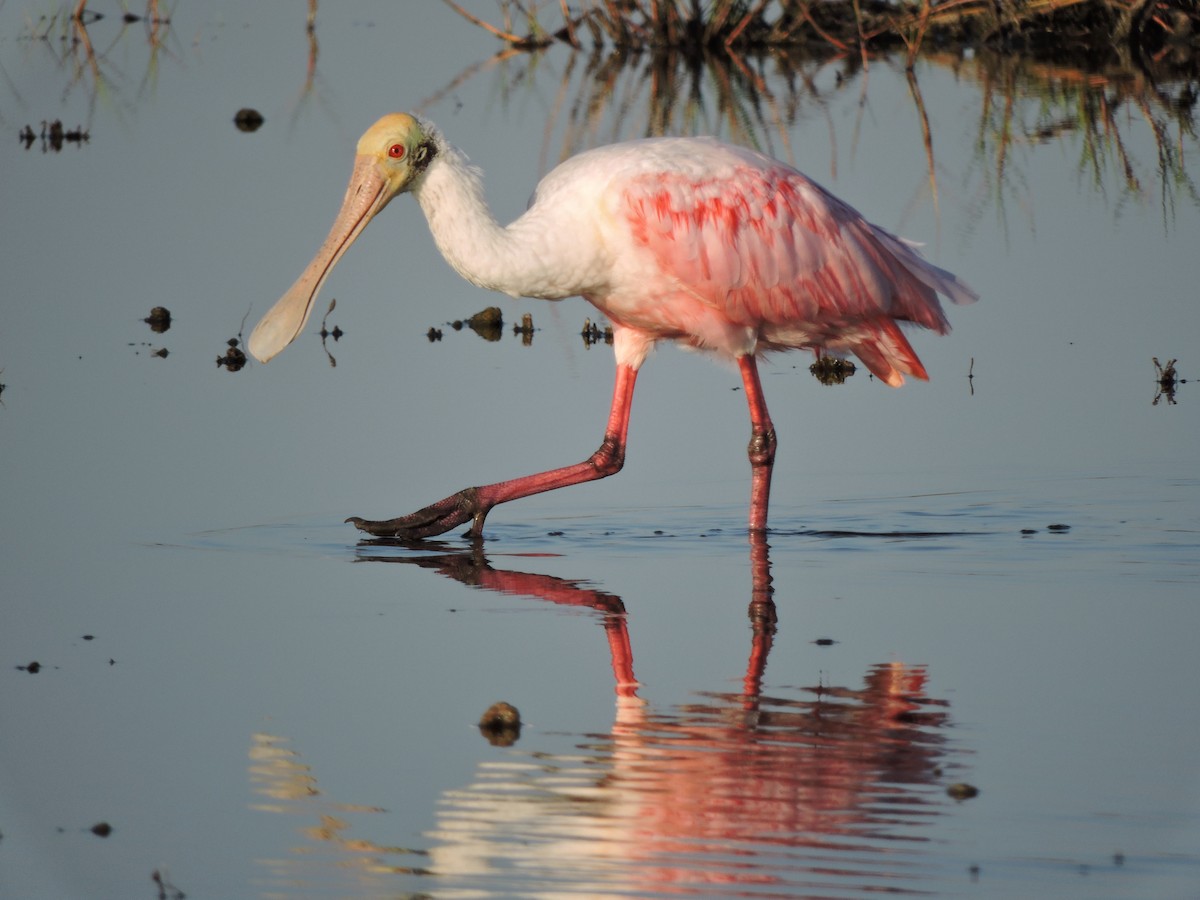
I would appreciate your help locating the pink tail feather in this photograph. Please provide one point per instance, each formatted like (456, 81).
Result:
(889, 355)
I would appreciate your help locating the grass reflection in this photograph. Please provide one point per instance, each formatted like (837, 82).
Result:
(1106, 117)
(1125, 111)
(1130, 124)
(66, 35)
(861, 26)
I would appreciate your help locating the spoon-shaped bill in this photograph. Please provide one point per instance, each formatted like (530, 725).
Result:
(366, 195)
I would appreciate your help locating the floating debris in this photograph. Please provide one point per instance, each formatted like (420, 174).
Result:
(488, 323)
(160, 352)
(54, 135)
(592, 334)
(159, 319)
(32, 668)
(960, 790)
(326, 333)
(166, 890)
(832, 370)
(525, 329)
(1167, 380)
(234, 359)
(248, 120)
(501, 724)
(102, 829)
(1059, 527)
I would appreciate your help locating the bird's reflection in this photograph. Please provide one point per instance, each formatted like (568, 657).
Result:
(828, 788)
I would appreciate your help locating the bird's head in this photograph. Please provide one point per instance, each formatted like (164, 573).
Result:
(391, 156)
(395, 149)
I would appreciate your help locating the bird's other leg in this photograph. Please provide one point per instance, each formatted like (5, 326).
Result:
(474, 503)
(762, 444)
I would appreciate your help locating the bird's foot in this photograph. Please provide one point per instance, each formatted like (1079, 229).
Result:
(436, 518)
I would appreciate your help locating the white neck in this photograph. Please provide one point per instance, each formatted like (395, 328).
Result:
(512, 259)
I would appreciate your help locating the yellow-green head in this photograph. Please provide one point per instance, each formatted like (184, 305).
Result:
(390, 156)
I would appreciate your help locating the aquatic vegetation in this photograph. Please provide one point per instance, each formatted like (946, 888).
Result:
(1107, 115)
(1125, 108)
(859, 25)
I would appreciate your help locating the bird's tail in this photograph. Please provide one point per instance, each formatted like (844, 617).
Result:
(945, 283)
(889, 355)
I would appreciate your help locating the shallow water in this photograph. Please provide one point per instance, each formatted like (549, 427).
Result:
(988, 581)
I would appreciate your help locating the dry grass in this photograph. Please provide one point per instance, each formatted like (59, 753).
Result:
(1106, 106)
(695, 27)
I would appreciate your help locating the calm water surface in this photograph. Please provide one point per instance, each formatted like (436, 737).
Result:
(987, 580)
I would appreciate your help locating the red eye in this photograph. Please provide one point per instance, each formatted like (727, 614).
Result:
(396, 151)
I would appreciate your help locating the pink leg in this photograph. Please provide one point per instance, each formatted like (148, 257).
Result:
(474, 503)
(762, 445)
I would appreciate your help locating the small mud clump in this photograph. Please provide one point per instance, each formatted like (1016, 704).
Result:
(159, 319)
(248, 120)
(501, 724)
(960, 790)
(831, 370)
(487, 323)
(234, 359)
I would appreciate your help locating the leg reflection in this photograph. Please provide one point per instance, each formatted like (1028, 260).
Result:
(823, 789)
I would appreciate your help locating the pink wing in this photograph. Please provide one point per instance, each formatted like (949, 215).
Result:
(769, 249)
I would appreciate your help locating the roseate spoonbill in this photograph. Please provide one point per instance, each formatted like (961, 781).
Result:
(684, 239)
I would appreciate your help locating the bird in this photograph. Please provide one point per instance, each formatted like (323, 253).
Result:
(692, 240)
